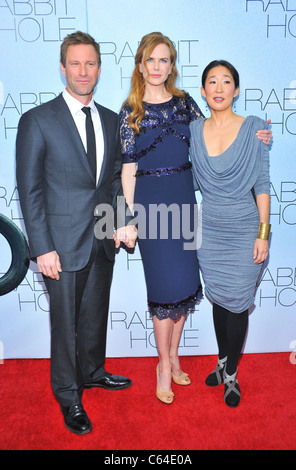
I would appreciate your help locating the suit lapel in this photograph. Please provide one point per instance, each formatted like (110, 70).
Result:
(66, 121)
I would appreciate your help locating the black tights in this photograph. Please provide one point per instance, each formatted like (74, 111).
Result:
(231, 329)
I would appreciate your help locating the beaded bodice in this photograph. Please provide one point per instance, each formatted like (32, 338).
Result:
(161, 120)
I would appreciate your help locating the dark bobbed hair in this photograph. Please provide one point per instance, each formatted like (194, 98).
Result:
(224, 63)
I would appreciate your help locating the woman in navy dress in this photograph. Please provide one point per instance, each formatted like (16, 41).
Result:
(158, 186)
(232, 169)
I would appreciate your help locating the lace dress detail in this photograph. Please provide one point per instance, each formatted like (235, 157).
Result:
(164, 177)
(163, 117)
(176, 309)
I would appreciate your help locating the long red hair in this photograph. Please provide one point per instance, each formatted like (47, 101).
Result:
(135, 98)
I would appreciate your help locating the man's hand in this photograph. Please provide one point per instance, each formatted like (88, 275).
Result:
(49, 265)
(127, 235)
(265, 135)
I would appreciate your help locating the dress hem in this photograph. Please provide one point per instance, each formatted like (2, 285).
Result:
(175, 310)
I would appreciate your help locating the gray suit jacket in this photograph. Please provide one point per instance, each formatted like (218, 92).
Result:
(58, 194)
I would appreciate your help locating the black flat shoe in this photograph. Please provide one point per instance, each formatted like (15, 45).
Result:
(232, 394)
(76, 419)
(110, 382)
(216, 377)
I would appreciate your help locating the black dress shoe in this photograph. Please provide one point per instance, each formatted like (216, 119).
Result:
(110, 382)
(76, 419)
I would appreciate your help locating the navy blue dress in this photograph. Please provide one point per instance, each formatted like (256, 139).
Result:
(165, 204)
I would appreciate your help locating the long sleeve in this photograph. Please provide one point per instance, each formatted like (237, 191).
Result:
(262, 184)
(30, 155)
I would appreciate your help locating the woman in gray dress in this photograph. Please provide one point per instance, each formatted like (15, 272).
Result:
(232, 169)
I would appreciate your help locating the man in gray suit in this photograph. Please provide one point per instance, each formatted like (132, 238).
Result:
(68, 163)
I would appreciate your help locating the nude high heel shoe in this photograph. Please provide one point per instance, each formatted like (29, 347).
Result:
(165, 397)
(182, 379)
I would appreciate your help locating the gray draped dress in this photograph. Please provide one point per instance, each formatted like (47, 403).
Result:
(230, 219)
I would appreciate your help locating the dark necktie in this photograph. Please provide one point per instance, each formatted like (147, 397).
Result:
(91, 141)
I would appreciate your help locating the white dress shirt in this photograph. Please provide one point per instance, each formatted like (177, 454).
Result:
(79, 117)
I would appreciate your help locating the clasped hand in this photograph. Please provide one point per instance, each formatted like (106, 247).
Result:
(127, 235)
(49, 265)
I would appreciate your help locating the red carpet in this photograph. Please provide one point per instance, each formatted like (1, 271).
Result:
(134, 419)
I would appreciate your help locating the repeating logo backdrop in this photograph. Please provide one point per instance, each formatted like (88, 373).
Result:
(259, 38)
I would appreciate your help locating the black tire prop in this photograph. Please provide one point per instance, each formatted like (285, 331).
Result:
(19, 252)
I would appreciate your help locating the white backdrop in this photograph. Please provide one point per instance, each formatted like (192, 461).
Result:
(259, 38)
